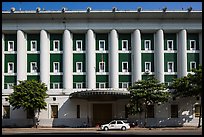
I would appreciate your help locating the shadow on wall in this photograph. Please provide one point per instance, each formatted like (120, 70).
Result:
(67, 115)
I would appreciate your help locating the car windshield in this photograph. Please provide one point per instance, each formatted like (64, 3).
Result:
(113, 122)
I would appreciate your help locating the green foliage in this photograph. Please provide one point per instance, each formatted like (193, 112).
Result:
(29, 94)
(190, 85)
(145, 92)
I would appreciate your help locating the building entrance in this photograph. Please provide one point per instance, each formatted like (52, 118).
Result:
(102, 113)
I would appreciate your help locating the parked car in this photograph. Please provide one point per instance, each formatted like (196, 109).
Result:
(115, 124)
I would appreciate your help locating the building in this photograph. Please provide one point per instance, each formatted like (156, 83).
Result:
(88, 58)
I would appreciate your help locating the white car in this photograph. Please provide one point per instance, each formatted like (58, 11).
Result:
(115, 124)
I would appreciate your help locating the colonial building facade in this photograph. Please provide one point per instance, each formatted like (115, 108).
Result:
(87, 59)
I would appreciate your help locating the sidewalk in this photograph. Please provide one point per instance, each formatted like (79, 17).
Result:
(95, 129)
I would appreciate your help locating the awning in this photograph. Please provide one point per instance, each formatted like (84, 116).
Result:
(100, 95)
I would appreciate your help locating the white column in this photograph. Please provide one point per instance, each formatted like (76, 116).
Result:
(136, 56)
(159, 55)
(113, 59)
(44, 58)
(182, 54)
(3, 46)
(21, 56)
(200, 48)
(91, 60)
(67, 60)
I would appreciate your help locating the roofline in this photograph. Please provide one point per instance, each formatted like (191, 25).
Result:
(102, 11)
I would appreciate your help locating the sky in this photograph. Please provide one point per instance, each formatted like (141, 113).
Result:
(101, 5)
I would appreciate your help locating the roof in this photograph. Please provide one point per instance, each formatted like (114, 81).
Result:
(125, 14)
(102, 95)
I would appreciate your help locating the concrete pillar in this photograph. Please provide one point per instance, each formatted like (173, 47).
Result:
(21, 56)
(182, 54)
(44, 58)
(91, 60)
(67, 60)
(200, 48)
(136, 56)
(159, 55)
(3, 46)
(113, 59)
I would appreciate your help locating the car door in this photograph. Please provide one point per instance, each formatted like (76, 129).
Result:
(119, 124)
(112, 125)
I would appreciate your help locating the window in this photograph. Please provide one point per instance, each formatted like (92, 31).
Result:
(10, 67)
(78, 66)
(150, 111)
(30, 114)
(192, 45)
(124, 85)
(10, 85)
(147, 44)
(6, 112)
(113, 122)
(197, 110)
(147, 66)
(10, 45)
(169, 44)
(101, 66)
(33, 67)
(119, 122)
(56, 86)
(125, 45)
(170, 67)
(78, 85)
(102, 85)
(56, 45)
(33, 45)
(101, 45)
(54, 111)
(78, 111)
(55, 67)
(174, 111)
(192, 65)
(124, 66)
(79, 45)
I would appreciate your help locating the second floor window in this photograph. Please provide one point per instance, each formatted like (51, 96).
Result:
(56, 45)
(78, 66)
(192, 45)
(10, 45)
(78, 85)
(102, 85)
(124, 85)
(79, 45)
(147, 66)
(124, 66)
(33, 45)
(55, 67)
(101, 45)
(170, 67)
(124, 45)
(10, 85)
(192, 65)
(147, 44)
(33, 67)
(101, 66)
(56, 86)
(10, 67)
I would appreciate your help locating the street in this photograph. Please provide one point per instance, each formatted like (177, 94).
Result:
(65, 131)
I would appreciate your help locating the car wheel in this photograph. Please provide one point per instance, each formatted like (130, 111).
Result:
(105, 128)
(123, 128)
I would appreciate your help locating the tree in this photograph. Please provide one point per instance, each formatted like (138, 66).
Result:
(144, 93)
(30, 95)
(188, 86)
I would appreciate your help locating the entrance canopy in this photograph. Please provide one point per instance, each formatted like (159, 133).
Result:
(101, 95)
